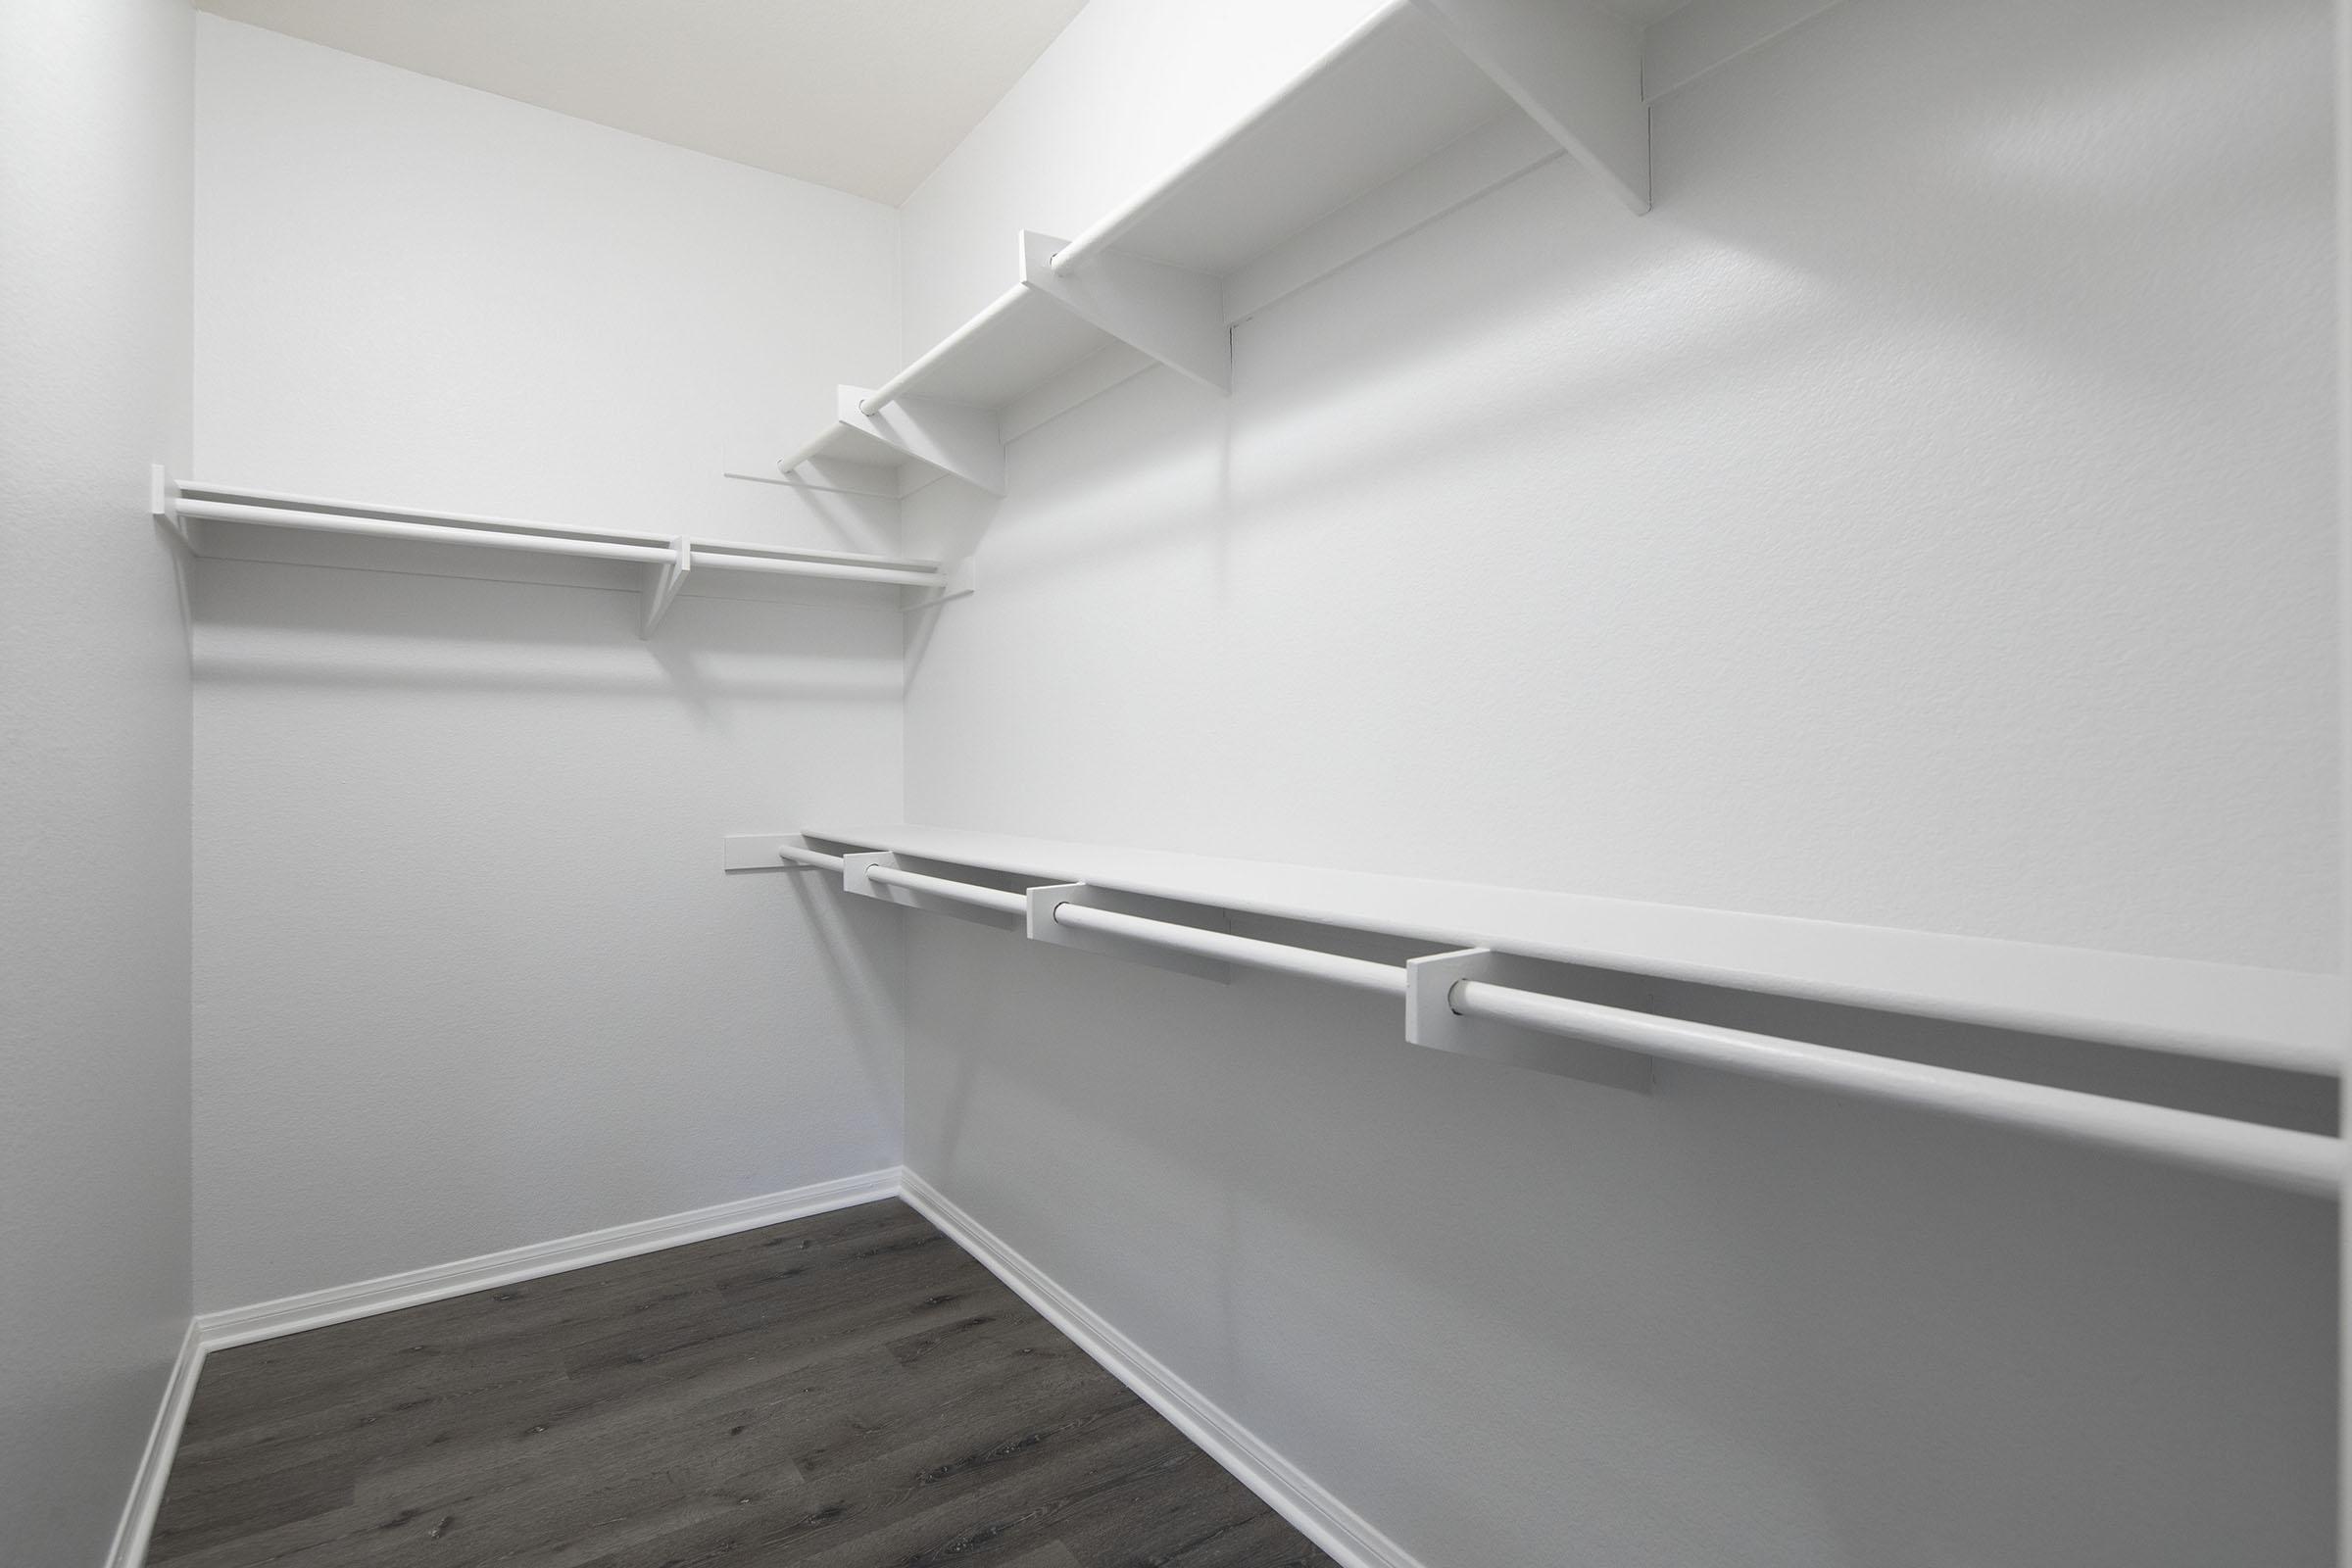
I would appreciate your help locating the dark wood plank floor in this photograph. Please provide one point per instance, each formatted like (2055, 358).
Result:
(850, 1391)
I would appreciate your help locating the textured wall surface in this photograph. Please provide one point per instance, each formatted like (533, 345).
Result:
(1922, 517)
(94, 171)
(410, 291)
(468, 974)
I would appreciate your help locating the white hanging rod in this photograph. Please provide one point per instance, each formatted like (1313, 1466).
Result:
(1363, 974)
(2276, 1156)
(816, 857)
(192, 490)
(888, 392)
(444, 532)
(2273, 1156)
(502, 533)
(809, 449)
(188, 491)
(732, 562)
(964, 892)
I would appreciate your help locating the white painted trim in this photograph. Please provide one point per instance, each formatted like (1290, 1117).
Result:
(264, 1320)
(129, 1548)
(1289, 1491)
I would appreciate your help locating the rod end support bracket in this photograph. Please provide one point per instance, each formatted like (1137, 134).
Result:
(162, 505)
(1431, 1021)
(1043, 927)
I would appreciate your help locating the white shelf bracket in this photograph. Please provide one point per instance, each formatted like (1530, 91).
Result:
(1430, 1020)
(958, 582)
(162, 505)
(1175, 316)
(952, 437)
(1043, 927)
(661, 584)
(1575, 66)
(834, 476)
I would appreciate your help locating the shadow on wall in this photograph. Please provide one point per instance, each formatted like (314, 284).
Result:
(1767, 1325)
(468, 975)
(1881, 530)
(1531, 320)
(269, 623)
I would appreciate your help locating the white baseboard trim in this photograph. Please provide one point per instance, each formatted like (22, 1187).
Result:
(243, 1325)
(1289, 1491)
(129, 1548)
(340, 1303)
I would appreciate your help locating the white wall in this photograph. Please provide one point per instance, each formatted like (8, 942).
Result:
(468, 976)
(1920, 520)
(1922, 517)
(417, 292)
(94, 169)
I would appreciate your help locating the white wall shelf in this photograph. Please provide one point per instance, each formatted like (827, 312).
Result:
(2266, 1018)
(1485, 985)
(1426, 106)
(661, 564)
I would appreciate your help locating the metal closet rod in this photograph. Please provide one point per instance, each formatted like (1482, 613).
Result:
(1362, 974)
(2276, 1156)
(496, 535)
(731, 562)
(883, 396)
(809, 449)
(453, 533)
(997, 899)
(2273, 1156)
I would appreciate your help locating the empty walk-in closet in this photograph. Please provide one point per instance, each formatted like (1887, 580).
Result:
(1205, 783)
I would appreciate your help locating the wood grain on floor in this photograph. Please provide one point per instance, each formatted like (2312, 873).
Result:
(850, 1391)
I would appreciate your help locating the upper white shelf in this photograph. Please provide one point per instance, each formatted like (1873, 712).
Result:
(660, 564)
(1427, 105)
(2266, 1017)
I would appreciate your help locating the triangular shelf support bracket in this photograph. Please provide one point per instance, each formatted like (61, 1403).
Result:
(955, 438)
(955, 582)
(1174, 314)
(1575, 66)
(163, 504)
(664, 580)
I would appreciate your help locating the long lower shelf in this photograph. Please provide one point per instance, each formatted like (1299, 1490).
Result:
(2263, 1018)
(1500, 959)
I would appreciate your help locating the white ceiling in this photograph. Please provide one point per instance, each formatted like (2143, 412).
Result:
(863, 95)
